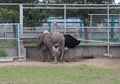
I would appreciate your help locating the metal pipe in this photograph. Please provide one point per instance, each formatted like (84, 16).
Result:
(90, 26)
(108, 18)
(65, 18)
(21, 18)
(18, 38)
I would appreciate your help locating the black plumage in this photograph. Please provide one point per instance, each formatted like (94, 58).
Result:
(70, 41)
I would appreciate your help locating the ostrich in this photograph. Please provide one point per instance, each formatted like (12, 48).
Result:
(42, 46)
(55, 44)
(70, 42)
(52, 44)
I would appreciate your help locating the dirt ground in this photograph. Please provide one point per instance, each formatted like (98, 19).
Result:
(97, 62)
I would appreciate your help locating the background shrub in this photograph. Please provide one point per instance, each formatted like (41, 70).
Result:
(3, 53)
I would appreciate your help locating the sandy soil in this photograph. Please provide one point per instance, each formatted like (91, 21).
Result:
(97, 62)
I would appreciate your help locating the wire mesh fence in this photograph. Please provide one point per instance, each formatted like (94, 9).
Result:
(9, 40)
(91, 23)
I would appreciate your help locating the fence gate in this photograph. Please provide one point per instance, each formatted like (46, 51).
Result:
(9, 41)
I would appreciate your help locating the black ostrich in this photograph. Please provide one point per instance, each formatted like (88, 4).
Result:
(70, 42)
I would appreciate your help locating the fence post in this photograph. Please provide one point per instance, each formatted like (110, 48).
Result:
(65, 19)
(49, 26)
(17, 36)
(81, 30)
(21, 18)
(119, 29)
(17, 31)
(86, 33)
(112, 29)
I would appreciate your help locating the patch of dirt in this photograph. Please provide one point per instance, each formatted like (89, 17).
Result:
(97, 62)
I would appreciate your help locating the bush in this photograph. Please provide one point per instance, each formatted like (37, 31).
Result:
(3, 53)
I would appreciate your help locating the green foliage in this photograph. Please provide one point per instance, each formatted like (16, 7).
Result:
(8, 15)
(34, 17)
(3, 53)
(16, 1)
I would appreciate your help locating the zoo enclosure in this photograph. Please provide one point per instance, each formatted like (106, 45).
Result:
(90, 33)
(101, 27)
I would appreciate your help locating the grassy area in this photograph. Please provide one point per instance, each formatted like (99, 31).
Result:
(3, 53)
(7, 45)
(58, 75)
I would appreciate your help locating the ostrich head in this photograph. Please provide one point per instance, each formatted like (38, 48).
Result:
(45, 32)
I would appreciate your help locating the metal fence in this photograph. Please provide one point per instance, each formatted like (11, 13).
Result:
(100, 29)
(98, 24)
(102, 25)
(9, 40)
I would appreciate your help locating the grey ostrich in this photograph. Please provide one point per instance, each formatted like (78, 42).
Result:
(41, 46)
(55, 44)
(52, 44)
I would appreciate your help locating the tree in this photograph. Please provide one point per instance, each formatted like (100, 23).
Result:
(10, 13)
(17, 1)
(8, 16)
(34, 17)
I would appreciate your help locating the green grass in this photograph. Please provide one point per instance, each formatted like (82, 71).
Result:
(30, 45)
(3, 53)
(7, 45)
(58, 75)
